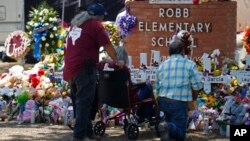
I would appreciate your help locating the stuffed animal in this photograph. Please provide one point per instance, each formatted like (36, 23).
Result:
(30, 107)
(2, 113)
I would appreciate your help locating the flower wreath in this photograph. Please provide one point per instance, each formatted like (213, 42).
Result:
(126, 23)
(16, 44)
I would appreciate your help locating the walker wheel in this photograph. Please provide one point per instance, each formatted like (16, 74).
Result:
(132, 131)
(99, 128)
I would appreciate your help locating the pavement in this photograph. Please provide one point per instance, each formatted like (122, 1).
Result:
(11, 131)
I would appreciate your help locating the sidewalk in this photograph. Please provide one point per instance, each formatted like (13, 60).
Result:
(46, 132)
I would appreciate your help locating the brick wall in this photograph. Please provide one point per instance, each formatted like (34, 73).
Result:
(218, 17)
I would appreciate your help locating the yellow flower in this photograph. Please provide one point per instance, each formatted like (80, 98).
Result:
(211, 100)
(217, 72)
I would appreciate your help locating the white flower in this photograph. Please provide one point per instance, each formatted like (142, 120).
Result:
(31, 14)
(41, 13)
(46, 11)
(30, 32)
(40, 18)
(36, 24)
(31, 23)
(27, 27)
(54, 19)
(54, 28)
(46, 45)
(36, 11)
(46, 24)
(51, 35)
(50, 19)
(43, 39)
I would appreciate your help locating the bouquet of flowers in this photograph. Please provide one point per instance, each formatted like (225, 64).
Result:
(42, 26)
(112, 31)
(126, 23)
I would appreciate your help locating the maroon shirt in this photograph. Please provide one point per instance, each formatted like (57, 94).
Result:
(83, 43)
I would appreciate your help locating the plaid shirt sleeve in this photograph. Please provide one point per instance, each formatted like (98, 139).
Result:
(195, 78)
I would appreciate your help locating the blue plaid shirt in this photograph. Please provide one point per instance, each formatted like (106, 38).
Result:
(176, 77)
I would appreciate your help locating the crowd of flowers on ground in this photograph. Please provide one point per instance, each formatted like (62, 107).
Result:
(40, 95)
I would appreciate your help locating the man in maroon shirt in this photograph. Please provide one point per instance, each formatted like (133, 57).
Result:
(85, 38)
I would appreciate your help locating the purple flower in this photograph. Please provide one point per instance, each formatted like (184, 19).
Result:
(126, 23)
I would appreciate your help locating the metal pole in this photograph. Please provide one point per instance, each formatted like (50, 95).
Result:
(63, 9)
(79, 3)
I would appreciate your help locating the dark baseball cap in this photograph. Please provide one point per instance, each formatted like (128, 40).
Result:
(96, 9)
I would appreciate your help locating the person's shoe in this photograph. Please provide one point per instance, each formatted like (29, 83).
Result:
(71, 124)
(163, 130)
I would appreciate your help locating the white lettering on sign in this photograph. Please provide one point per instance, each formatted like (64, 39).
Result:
(172, 26)
(173, 12)
(164, 41)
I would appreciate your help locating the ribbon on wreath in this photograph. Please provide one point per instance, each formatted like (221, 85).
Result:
(39, 32)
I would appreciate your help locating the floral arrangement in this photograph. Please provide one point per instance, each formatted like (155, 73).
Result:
(42, 26)
(112, 31)
(16, 44)
(246, 40)
(126, 23)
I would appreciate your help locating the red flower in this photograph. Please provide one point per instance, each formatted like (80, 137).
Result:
(41, 72)
(247, 32)
(34, 80)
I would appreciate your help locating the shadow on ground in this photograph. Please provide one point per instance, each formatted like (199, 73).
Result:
(47, 132)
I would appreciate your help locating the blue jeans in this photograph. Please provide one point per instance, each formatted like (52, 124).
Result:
(176, 113)
(83, 87)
